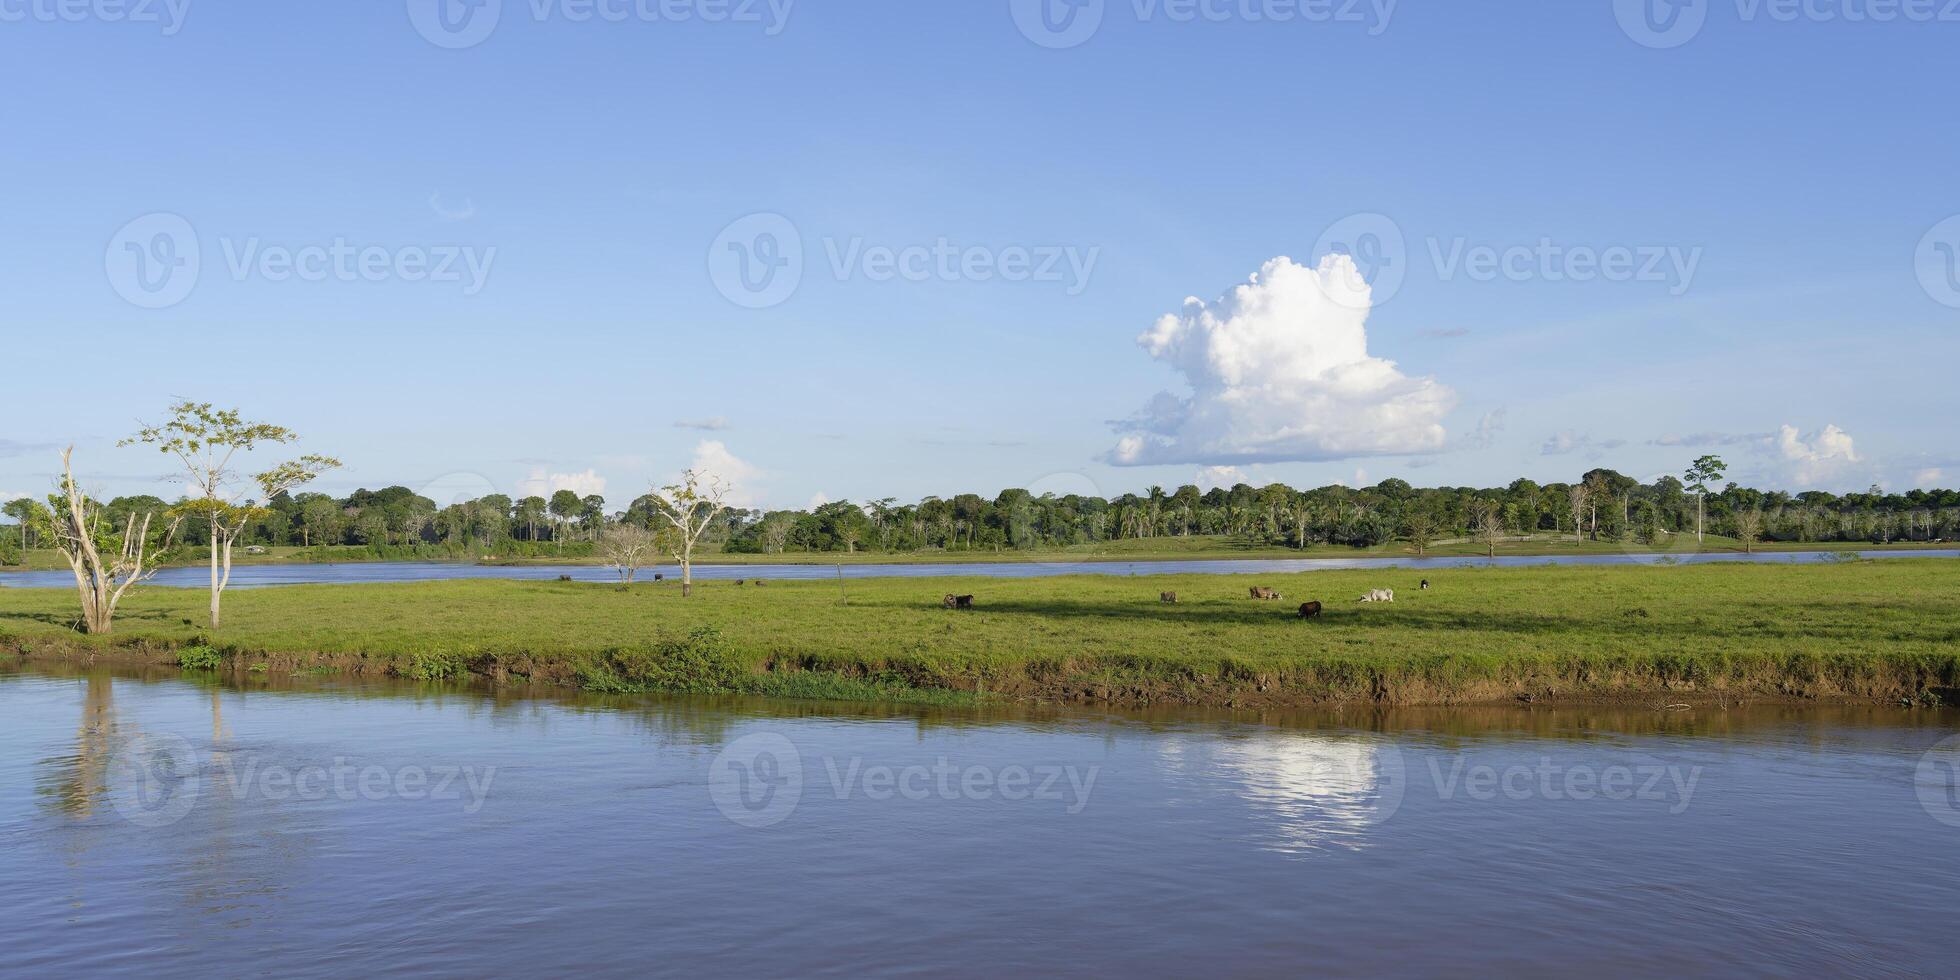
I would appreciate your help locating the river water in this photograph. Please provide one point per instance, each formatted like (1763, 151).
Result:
(326, 827)
(252, 576)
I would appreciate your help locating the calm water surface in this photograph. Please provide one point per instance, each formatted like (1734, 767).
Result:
(322, 827)
(253, 576)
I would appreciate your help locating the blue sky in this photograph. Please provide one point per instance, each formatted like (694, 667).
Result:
(1802, 167)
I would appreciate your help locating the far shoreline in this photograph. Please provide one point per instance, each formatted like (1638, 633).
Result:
(1448, 550)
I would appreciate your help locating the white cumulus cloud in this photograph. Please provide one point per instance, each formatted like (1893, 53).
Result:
(1818, 456)
(742, 481)
(1279, 370)
(543, 484)
(1210, 477)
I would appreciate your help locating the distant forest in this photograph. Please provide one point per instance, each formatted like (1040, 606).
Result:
(1601, 505)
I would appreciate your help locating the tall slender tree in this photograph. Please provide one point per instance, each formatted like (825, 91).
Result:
(1702, 474)
(205, 440)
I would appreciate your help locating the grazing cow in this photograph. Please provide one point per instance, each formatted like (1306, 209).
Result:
(660, 576)
(1261, 592)
(741, 582)
(564, 578)
(1309, 610)
(964, 601)
(758, 583)
(1170, 597)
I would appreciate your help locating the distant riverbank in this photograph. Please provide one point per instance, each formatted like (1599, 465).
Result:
(1130, 551)
(1867, 630)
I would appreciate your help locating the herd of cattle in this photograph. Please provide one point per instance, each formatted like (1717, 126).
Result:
(1308, 610)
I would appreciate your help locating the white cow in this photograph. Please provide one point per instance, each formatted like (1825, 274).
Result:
(1379, 595)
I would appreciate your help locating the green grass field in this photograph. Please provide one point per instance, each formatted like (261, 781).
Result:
(1870, 629)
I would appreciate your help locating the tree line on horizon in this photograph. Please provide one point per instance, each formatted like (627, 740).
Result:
(1608, 505)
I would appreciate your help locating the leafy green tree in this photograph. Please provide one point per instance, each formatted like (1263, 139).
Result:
(31, 515)
(565, 507)
(204, 441)
(1702, 474)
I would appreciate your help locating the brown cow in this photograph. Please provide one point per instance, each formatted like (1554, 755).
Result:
(1261, 592)
(1170, 597)
(1309, 610)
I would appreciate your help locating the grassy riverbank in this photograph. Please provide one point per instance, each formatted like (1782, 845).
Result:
(1885, 630)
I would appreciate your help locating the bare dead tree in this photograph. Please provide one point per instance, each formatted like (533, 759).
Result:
(1748, 528)
(105, 564)
(1487, 523)
(691, 507)
(627, 547)
(1578, 496)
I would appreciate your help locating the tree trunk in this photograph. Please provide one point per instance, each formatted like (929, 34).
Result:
(214, 573)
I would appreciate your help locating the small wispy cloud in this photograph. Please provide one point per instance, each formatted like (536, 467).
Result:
(716, 424)
(14, 447)
(1704, 440)
(1567, 442)
(443, 213)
